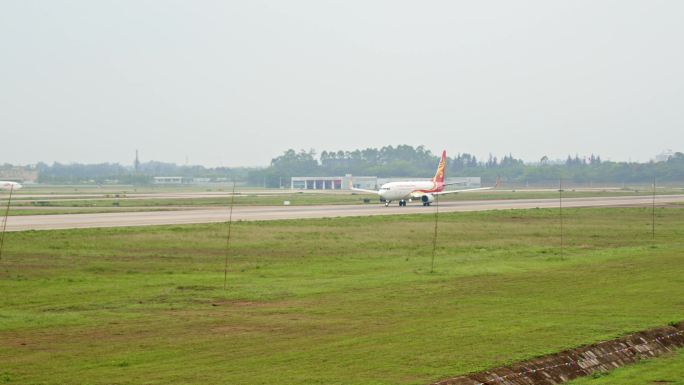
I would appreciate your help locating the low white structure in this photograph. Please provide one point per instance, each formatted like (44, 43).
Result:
(664, 156)
(186, 180)
(170, 180)
(333, 182)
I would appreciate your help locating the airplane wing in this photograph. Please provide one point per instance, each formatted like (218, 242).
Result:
(462, 191)
(351, 187)
(497, 185)
(364, 191)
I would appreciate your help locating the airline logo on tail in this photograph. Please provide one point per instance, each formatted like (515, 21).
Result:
(439, 176)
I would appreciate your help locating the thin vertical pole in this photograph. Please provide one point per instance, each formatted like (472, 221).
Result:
(434, 237)
(230, 222)
(560, 213)
(4, 223)
(653, 210)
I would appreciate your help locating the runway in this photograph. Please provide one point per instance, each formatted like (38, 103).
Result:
(264, 213)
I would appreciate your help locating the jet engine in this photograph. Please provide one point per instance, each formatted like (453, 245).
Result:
(427, 198)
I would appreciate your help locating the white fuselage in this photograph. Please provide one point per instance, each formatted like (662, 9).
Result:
(394, 191)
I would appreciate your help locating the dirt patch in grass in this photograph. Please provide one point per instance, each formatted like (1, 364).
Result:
(233, 303)
(238, 329)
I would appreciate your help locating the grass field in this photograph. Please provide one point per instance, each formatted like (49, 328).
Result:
(331, 301)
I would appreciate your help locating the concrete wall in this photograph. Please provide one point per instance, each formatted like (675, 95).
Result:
(580, 362)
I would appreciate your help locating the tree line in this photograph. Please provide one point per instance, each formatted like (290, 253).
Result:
(388, 161)
(409, 161)
(75, 173)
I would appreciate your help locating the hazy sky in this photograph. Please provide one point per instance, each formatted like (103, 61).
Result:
(238, 82)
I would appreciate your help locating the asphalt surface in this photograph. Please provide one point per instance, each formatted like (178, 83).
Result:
(262, 213)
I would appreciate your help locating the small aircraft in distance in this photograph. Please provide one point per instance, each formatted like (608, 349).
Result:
(423, 190)
(6, 185)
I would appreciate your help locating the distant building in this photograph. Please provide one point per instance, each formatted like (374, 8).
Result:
(368, 182)
(332, 182)
(664, 156)
(171, 180)
(21, 174)
(175, 180)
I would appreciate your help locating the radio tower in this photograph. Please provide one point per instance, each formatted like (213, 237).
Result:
(136, 164)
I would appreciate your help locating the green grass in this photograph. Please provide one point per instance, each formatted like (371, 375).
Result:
(331, 301)
(667, 370)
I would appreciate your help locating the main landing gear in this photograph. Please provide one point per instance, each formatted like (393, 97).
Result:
(426, 203)
(401, 203)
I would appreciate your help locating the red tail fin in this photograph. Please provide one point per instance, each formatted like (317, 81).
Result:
(441, 169)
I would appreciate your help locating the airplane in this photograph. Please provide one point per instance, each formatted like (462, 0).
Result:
(6, 185)
(426, 191)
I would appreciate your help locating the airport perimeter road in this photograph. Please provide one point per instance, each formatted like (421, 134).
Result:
(257, 213)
